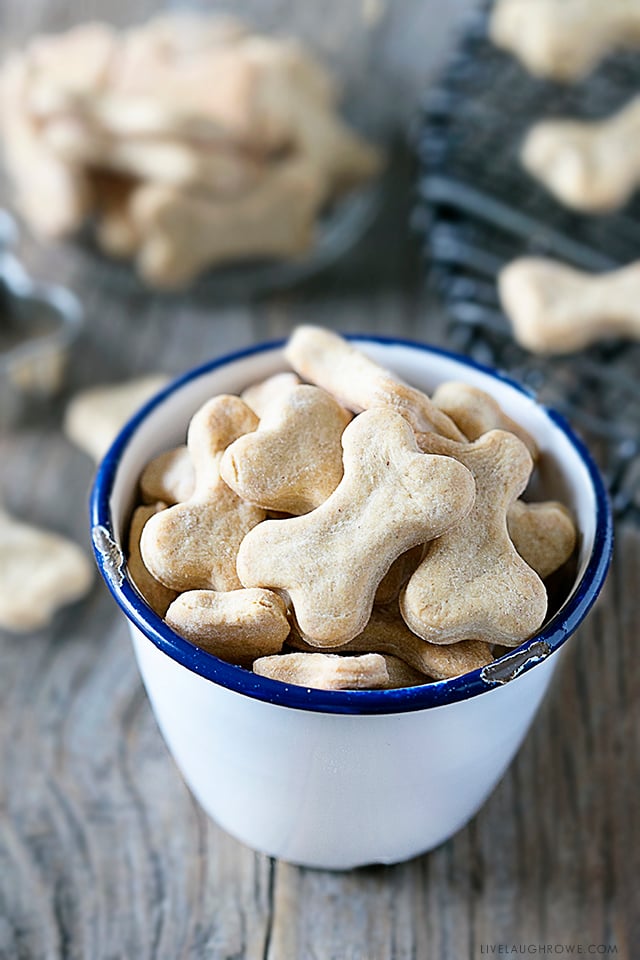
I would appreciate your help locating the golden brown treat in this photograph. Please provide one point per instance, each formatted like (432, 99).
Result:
(94, 416)
(293, 461)
(544, 534)
(193, 545)
(325, 671)
(259, 395)
(325, 358)
(169, 477)
(564, 39)
(398, 574)
(386, 632)
(330, 561)
(472, 581)
(476, 413)
(555, 309)
(52, 195)
(590, 166)
(237, 625)
(40, 571)
(185, 234)
(156, 594)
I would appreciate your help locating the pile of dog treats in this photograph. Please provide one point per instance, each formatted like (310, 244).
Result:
(348, 531)
(191, 141)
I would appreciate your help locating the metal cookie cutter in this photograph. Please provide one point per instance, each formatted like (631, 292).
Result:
(38, 323)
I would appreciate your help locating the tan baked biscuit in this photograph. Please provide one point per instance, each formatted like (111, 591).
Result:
(556, 309)
(169, 477)
(155, 593)
(185, 234)
(325, 358)
(95, 416)
(237, 625)
(472, 581)
(293, 461)
(325, 671)
(330, 561)
(544, 534)
(386, 632)
(193, 545)
(40, 572)
(476, 413)
(259, 395)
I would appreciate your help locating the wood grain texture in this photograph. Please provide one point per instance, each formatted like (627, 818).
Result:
(103, 852)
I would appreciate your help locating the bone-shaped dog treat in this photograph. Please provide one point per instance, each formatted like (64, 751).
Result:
(94, 416)
(169, 477)
(386, 632)
(544, 534)
(472, 581)
(185, 234)
(237, 625)
(358, 383)
(193, 545)
(556, 309)
(330, 561)
(80, 59)
(397, 575)
(40, 572)
(326, 671)
(156, 594)
(259, 395)
(591, 166)
(476, 412)
(293, 461)
(564, 39)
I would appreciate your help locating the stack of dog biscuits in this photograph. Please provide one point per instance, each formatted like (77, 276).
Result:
(192, 141)
(355, 534)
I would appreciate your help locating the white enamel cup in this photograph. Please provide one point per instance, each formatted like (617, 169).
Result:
(342, 779)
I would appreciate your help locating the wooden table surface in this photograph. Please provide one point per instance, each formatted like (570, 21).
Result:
(103, 852)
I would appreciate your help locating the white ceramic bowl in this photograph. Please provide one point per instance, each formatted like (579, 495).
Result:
(341, 779)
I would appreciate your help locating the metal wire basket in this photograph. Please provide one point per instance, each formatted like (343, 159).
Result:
(478, 208)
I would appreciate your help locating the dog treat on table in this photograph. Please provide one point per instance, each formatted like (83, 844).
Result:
(229, 143)
(408, 554)
(556, 309)
(564, 39)
(193, 545)
(472, 582)
(592, 166)
(94, 416)
(236, 625)
(40, 571)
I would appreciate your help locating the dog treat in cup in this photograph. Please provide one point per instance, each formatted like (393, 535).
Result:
(310, 718)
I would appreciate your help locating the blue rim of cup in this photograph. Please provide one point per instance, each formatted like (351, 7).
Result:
(433, 694)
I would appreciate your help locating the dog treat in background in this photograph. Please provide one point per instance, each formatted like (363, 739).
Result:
(556, 309)
(190, 140)
(564, 39)
(592, 166)
(408, 558)
(40, 572)
(94, 416)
